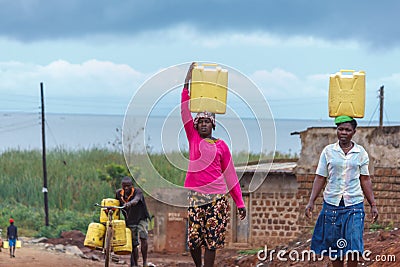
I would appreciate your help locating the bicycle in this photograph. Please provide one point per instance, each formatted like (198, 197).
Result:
(109, 231)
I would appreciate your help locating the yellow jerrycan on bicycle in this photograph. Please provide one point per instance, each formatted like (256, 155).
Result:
(109, 235)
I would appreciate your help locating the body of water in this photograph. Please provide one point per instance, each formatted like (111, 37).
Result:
(23, 131)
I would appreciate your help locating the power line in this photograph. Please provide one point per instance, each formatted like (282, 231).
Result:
(376, 108)
(387, 118)
(51, 133)
(24, 110)
(16, 124)
(57, 145)
(18, 128)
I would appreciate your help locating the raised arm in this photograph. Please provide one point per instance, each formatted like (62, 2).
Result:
(189, 74)
(185, 98)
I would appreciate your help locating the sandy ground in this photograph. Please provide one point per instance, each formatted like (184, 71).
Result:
(35, 256)
(38, 256)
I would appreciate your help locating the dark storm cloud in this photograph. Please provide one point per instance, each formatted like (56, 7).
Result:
(372, 22)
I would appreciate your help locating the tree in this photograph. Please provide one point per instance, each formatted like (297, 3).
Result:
(113, 174)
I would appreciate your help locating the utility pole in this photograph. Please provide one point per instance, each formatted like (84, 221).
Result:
(44, 190)
(381, 106)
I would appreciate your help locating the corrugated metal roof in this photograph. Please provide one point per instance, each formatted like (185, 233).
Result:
(274, 167)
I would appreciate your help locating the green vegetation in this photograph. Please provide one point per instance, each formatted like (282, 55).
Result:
(30, 219)
(253, 251)
(377, 227)
(76, 180)
(74, 185)
(73, 179)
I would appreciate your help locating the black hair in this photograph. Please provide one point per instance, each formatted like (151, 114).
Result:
(126, 179)
(353, 123)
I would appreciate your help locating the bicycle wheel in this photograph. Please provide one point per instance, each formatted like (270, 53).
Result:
(107, 246)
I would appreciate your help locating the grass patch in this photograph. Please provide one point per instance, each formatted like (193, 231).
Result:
(252, 251)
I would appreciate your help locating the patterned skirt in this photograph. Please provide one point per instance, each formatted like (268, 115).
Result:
(207, 220)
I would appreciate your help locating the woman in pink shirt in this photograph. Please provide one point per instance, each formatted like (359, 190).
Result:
(210, 176)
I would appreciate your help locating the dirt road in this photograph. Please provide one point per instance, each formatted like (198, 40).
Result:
(34, 256)
(37, 256)
(382, 243)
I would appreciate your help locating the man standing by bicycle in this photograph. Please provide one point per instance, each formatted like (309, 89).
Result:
(136, 217)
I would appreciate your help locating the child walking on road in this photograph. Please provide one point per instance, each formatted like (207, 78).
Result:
(12, 237)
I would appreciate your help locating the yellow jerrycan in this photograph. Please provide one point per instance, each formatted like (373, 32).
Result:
(109, 202)
(95, 236)
(347, 94)
(18, 244)
(127, 248)
(208, 89)
(119, 237)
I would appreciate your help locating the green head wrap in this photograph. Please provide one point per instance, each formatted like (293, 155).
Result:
(341, 119)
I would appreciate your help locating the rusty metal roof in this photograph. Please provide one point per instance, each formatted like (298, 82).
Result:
(274, 167)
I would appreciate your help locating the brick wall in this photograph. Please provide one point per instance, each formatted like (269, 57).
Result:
(273, 211)
(386, 186)
(274, 217)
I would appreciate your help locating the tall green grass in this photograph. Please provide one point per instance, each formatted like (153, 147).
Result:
(72, 178)
(73, 187)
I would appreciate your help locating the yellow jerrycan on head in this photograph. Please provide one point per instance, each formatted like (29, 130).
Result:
(208, 89)
(347, 94)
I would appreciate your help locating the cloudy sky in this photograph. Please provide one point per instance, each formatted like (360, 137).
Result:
(93, 55)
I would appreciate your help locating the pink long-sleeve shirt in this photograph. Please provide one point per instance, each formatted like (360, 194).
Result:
(211, 169)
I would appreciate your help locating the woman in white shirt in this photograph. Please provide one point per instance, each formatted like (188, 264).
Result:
(343, 167)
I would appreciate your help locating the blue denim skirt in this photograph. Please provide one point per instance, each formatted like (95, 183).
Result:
(339, 230)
